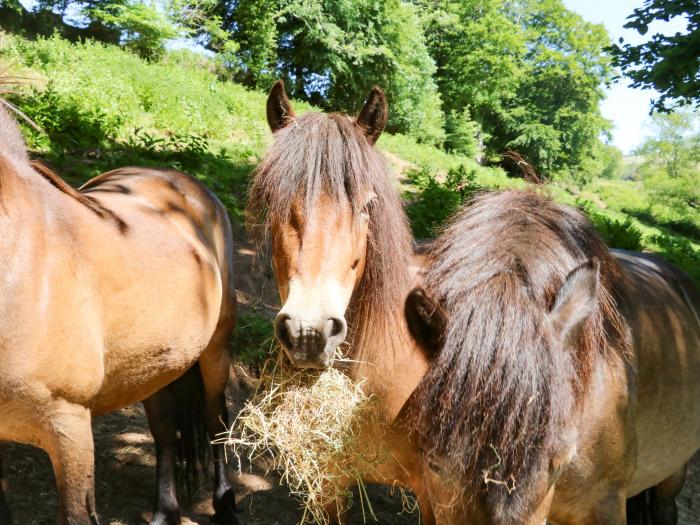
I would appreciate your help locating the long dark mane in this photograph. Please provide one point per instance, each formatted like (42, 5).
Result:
(328, 154)
(499, 401)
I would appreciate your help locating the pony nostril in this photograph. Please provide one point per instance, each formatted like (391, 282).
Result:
(282, 331)
(337, 327)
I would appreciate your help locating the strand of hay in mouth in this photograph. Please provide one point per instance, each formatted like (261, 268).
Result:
(303, 423)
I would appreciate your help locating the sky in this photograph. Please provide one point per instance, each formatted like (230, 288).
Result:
(627, 108)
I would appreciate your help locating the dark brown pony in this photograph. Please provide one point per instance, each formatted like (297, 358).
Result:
(119, 293)
(564, 378)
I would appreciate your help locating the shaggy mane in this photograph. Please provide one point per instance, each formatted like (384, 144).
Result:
(499, 400)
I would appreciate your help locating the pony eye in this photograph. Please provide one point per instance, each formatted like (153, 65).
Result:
(435, 467)
(369, 204)
(355, 263)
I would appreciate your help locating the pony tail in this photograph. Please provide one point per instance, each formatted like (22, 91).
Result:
(193, 448)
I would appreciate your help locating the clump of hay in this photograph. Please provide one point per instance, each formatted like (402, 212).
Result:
(304, 424)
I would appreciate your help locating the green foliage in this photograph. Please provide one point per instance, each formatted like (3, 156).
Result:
(617, 234)
(461, 134)
(437, 201)
(332, 52)
(65, 123)
(605, 162)
(668, 64)
(671, 173)
(676, 226)
(179, 95)
(680, 252)
(253, 339)
(675, 141)
(142, 26)
(529, 72)
(181, 149)
(197, 18)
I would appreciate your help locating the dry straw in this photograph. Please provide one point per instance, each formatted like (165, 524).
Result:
(304, 424)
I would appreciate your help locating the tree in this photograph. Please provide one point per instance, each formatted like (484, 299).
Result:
(561, 87)
(668, 64)
(141, 26)
(675, 141)
(331, 52)
(529, 73)
(672, 170)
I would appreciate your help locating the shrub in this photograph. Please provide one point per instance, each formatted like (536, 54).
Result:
(67, 124)
(437, 201)
(617, 234)
(680, 252)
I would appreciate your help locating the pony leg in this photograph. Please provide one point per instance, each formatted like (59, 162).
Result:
(5, 517)
(70, 447)
(663, 499)
(638, 509)
(160, 409)
(215, 365)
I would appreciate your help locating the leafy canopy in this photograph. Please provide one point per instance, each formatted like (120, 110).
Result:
(669, 64)
(331, 52)
(528, 73)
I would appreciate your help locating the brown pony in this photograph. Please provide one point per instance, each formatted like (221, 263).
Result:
(344, 262)
(108, 296)
(564, 378)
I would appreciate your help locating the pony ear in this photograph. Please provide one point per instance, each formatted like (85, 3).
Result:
(426, 321)
(374, 115)
(576, 300)
(279, 109)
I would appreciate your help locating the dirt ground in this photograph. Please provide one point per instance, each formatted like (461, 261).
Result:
(125, 460)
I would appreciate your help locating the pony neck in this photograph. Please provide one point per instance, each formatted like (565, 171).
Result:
(388, 360)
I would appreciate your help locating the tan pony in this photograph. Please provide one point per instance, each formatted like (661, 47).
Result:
(106, 297)
(343, 258)
(564, 378)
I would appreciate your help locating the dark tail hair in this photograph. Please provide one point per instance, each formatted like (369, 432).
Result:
(193, 447)
(638, 508)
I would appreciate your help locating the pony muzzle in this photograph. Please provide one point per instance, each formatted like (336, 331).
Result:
(310, 344)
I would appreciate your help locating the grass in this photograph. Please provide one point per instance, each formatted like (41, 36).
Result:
(254, 339)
